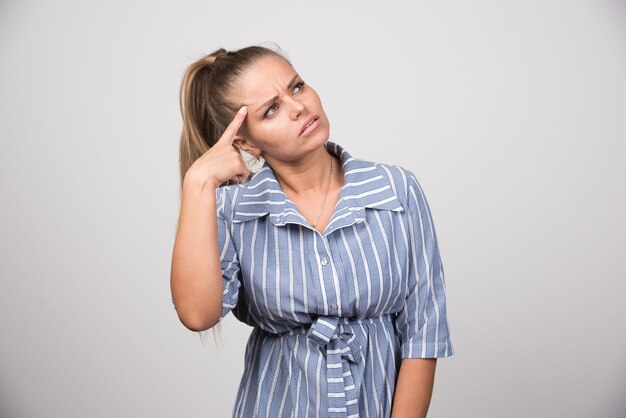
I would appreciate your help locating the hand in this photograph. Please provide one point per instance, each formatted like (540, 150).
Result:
(222, 161)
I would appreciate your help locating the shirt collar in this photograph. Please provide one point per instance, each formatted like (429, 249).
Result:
(367, 185)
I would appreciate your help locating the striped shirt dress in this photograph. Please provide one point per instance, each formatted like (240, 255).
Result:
(333, 314)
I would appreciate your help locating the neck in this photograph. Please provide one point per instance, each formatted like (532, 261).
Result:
(308, 176)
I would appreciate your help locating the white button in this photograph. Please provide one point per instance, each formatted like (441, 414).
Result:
(324, 261)
(333, 306)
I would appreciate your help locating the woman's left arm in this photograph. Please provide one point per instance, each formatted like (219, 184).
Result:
(422, 323)
(414, 388)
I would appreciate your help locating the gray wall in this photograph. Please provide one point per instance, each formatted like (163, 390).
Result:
(512, 114)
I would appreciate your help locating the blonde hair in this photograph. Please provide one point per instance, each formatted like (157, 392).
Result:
(204, 104)
(205, 108)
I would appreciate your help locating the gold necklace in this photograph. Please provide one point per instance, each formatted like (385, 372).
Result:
(327, 190)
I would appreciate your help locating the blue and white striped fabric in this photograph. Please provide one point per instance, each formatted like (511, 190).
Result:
(333, 313)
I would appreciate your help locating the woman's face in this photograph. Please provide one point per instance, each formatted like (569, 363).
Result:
(279, 105)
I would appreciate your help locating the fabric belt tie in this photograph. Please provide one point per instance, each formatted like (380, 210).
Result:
(341, 346)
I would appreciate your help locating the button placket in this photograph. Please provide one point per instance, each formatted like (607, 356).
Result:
(327, 274)
(333, 306)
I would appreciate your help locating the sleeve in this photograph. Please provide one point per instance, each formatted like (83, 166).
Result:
(422, 323)
(231, 270)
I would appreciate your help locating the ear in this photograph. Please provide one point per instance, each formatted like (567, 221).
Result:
(240, 141)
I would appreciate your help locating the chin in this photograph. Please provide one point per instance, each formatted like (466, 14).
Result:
(324, 129)
(322, 137)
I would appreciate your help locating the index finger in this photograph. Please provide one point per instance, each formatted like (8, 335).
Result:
(232, 128)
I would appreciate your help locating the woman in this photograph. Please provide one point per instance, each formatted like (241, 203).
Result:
(333, 260)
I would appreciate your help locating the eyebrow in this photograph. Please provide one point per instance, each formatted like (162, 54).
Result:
(291, 83)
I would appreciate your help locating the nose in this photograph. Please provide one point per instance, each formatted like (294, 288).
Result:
(297, 108)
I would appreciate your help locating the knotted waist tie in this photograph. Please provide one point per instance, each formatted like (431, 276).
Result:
(340, 346)
(338, 336)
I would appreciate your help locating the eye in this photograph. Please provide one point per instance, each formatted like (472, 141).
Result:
(300, 85)
(274, 106)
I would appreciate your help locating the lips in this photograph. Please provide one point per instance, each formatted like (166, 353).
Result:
(308, 122)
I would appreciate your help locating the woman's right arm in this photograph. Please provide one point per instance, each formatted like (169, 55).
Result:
(196, 274)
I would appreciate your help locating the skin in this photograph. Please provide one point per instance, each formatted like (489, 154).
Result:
(414, 388)
(272, 129)
(301, 166)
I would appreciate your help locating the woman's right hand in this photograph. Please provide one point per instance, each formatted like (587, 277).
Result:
(222, 161)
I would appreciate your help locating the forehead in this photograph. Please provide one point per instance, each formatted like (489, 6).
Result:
(262, 80)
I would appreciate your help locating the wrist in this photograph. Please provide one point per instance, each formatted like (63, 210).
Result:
(192, 184)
